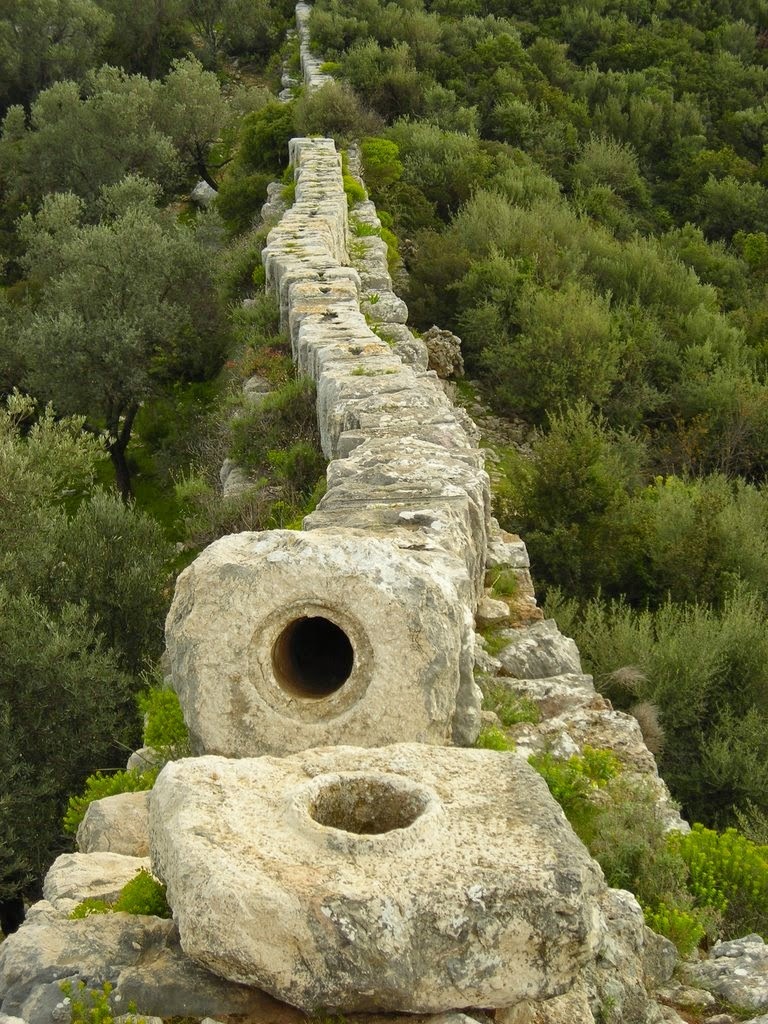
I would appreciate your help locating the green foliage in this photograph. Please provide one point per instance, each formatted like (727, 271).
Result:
(240, 199)
(503, 582)
(508, 706)
(354, 190)
(682, 927)
(729, 873)
(705, 670)
(573, 780)
(130, 300)
(264, 135)
(381, 164)
(164, 726)
(260, 435)
(81, 608)
(334, 110)
(100, 785)
(92, 1006)
(142, 895)
(493, 738)
(88, 907)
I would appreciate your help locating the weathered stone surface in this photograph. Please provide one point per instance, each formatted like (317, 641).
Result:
(539, 651)
(506, 549)
(281, 641)
(683, 995)
(116, 824)
(628, 963)
(444, 352)
(139, 955)
(491, 612)
(405, 878)
(571, 1008)
(143, 759)
(74, 877)
(203, 194)
(384, 307)
(737, 971)
(556, 695)
(405, 344)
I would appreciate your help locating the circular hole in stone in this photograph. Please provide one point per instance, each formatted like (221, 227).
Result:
(312, 657)
(367, 806)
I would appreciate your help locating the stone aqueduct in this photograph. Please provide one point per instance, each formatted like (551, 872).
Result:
(336, 844)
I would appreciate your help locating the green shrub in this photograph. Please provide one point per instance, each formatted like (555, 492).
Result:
(240, 200)
(334, 111)
(143, 895)
(92, 1006)
(493, 738)
(264, 137)
(286, 415)
(683, 927)
(90, 905)
(508, 706)
(573, 781)
(729, 873)
(164, 726)
(381, 163)
(503, 582)
(354, 190)
(99, 785)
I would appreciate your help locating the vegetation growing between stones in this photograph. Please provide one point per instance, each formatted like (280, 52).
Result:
(143, 894)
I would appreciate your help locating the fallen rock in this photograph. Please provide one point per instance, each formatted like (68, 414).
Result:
(404, 878)
(736, 971)
(116, 824)
(444, 352)
(538, 651)
(203, 194)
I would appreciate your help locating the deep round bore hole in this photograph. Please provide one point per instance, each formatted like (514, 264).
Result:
(367, 806)
(312, 657)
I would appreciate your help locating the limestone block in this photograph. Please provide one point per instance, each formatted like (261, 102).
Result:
(116, 824)
(737, 971)
(539, 651)
(571, 1008)
(74, 877)
(556, 695)
(403, 878)
(491, 612)
(506, 549)
(281, 641)
(406, 345)
(385, 307)
(138, 954)
(143, 759)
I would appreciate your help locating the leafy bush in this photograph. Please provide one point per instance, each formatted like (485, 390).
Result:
(264, 137)
(573, 781)
(683, 927)
(729, 873)
(164, 726)
(99, 785)
(493, 738)
(240, 199)
(143, 895)
(506, 704)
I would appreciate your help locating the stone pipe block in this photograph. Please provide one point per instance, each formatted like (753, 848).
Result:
(405, 878)
(282, 641)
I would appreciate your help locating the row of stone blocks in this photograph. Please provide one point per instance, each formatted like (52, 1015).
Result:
(408, 877)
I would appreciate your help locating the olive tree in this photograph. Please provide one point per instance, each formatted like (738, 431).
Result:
(126, 308)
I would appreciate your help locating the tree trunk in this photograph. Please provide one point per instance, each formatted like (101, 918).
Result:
(122, 471)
